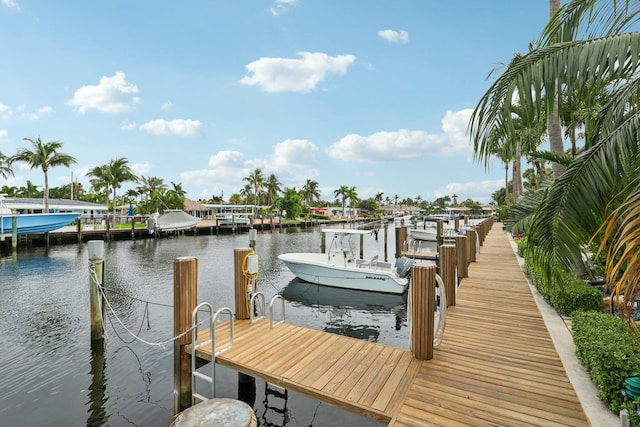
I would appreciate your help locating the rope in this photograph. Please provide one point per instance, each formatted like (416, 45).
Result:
(135, 336)
(161, 344)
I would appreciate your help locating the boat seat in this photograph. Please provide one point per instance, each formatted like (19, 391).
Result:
(370, 262)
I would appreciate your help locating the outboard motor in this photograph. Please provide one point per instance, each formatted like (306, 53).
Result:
(403, 266)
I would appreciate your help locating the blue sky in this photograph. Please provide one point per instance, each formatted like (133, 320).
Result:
(371, 94)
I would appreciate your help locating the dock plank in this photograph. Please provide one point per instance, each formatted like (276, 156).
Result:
(497, 365)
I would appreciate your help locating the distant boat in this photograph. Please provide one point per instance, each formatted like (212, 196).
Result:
(171, 220)
(227, 219)
(37, 223)
(339, 268)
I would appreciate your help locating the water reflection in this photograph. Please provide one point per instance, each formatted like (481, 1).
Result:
(345, 305)
(97, 396)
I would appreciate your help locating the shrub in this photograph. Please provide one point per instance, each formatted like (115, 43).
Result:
(609, 354)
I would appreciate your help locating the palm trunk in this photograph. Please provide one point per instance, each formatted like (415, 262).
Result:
(555, 130)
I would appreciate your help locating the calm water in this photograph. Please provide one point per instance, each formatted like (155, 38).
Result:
(50, 375)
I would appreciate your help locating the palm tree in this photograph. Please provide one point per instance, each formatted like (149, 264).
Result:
(5, 166)
(111, 176)
(343, 191)
(596, 184)
(149, 185)
(44, 155)
(272, 185)
(310, 192)
(255, 180)
(352, 195)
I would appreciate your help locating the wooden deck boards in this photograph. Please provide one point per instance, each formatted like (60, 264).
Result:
(496, 366)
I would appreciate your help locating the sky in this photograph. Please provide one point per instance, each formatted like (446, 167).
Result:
(371, 94)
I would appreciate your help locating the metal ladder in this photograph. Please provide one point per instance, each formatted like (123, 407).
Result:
(213, 318)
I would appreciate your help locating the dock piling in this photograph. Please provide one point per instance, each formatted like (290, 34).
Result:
(185, 300)
(448, 272)
(95, 249)
(423, 288)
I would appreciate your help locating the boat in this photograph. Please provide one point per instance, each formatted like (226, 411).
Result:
(339, 268)
(229, 219)
(36, 223)
(429, 234)
(171, 220)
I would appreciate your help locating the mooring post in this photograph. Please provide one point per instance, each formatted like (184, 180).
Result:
(14, 233)
(185, 300)
(79, 230)
(240, 284)
(461, 256)
(242, 298)
(456, 223)
(95, 249)
(471, 244)
(386, 241)
(133, 228)
(401, 238)
(362, 246)
(423, 288)
(448, 271)
(439, 232)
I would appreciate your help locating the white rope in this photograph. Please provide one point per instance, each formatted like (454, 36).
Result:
(161, 344)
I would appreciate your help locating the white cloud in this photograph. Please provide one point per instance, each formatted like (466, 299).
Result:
(295, 75)
(11, 4)
(141, 168)
(179, 127)
(166, 106)
(3, 134)
(282, 6)
(406, 144)
(226, 158)
(40, 112)
(293, 161)
(112, 95)
(5, 112)
(394, 36)
(128, 125)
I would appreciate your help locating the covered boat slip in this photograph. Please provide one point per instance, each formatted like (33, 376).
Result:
(496, 366)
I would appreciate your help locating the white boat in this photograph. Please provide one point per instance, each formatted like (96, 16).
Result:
(339, 268)
(229, 219)
(429, 234)
(32, 223)
(171, 220)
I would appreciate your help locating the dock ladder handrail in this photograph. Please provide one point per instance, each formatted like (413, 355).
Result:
(277, 296)
(257, 296)
(213, 318)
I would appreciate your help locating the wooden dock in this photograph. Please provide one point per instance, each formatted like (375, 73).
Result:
(496, 366)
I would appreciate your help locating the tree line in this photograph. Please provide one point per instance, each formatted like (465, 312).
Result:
(152, 194)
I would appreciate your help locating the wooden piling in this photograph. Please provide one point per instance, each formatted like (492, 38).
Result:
(448, 271)
(386, 241)
(456, 224)
(185, 300)
(14, 233)
(401, 238)
(95, 250)
(471, 244)
(240, 284)
(361, 246)
(462, 256)
(439, 232)
(423, 288)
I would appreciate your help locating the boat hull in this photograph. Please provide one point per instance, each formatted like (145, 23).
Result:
(317, 268)
(36, 223)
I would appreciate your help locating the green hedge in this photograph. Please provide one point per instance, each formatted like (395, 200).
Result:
(609, 354)
(567, 295)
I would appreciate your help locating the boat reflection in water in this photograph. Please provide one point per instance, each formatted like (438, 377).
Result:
(349, 309)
